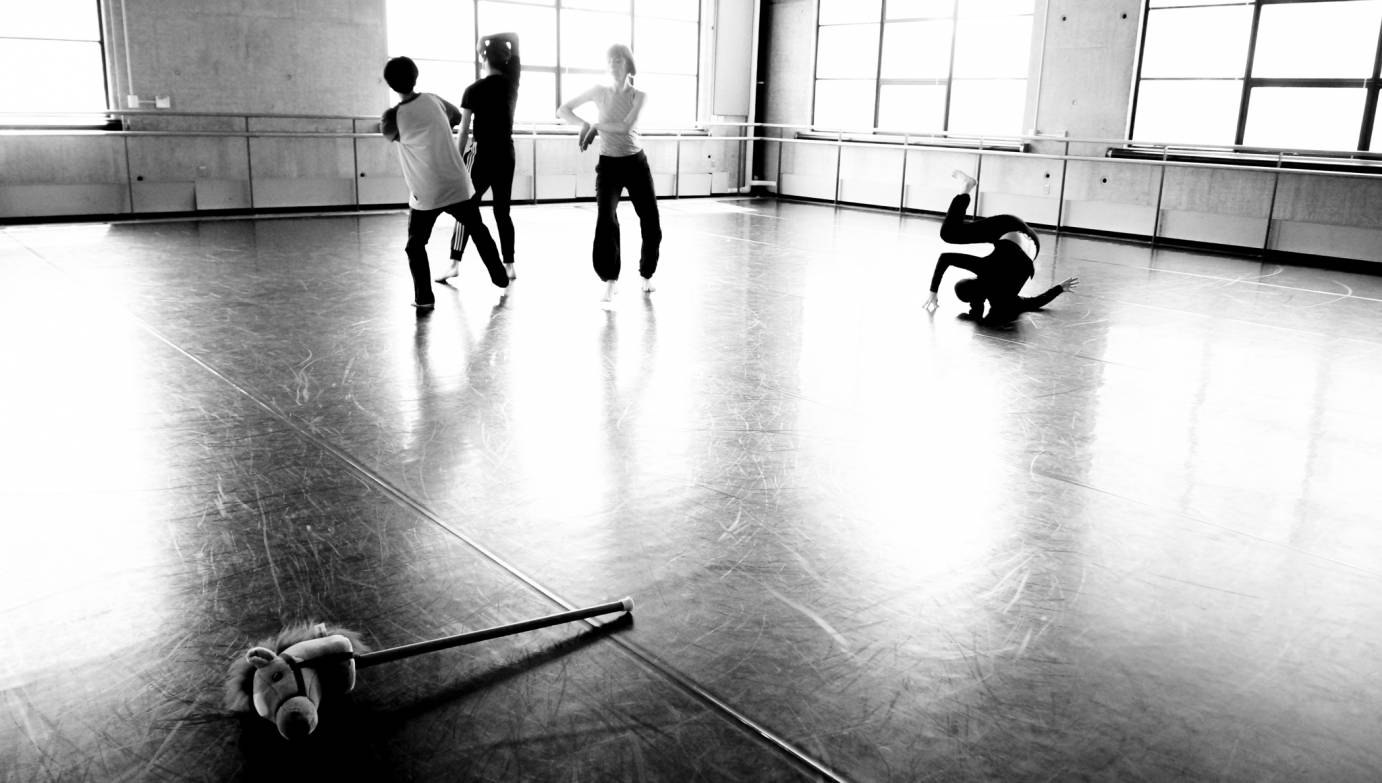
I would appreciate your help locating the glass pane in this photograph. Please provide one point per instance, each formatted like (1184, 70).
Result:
(1197, 42)
(536, 28)
(1315, 118)
(587, 35)
(1317, 40)
(537, 98)
(993, 47)
(912, 108)
(69, 19)
(991, 8)
(1189, 112)
(613, 6)
(917, 50)
(847, 51)
(671, 101)
(845, 104)
(665, 46)
(920, 9)
(427, 30)
(73, 76)
(446, 78)
(668, 9)
(989, 106)
(845, 11)
(573, 84)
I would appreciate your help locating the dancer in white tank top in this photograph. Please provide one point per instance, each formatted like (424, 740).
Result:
(622, 165)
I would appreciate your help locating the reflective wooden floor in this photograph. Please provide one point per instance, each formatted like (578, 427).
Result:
(1136, 537)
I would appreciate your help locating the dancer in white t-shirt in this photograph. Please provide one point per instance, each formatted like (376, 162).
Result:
(421, 123)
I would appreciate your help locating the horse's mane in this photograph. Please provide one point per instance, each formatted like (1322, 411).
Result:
(239, 695)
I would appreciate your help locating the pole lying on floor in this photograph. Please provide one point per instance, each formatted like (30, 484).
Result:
(365, 660)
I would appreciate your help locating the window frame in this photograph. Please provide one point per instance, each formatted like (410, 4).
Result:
(1371, 84)
(560, 72)
(48, 120)
(947, 83)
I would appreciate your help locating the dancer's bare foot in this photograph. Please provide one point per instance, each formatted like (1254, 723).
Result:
(450, 273)
(512, 274)
(648, 286)
(609, 291)
(969, 182)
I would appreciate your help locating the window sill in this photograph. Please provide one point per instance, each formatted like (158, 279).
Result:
(1343, 162)
(41, 122)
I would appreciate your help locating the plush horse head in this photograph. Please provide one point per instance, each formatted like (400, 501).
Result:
(285, 679)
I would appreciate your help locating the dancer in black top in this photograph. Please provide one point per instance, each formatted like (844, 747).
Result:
(1001, 274)
(490, 101)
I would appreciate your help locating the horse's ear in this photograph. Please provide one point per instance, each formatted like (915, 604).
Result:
(259, 657)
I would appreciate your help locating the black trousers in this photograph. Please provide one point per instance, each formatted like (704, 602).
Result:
(491, 168)
(1002, 273)
(420, 223)
(612, 176)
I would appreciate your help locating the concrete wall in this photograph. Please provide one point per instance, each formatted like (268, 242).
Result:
(249, 56)
(1083, 65)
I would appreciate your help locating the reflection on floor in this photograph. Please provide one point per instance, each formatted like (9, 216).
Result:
(1135, 536)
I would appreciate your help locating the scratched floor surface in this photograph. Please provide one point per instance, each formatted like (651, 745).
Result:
(1135, 537)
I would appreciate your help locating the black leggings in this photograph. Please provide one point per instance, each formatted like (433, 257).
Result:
(957, 229)
(491, 169)
(420, 223)
(612, 176)
(1001, 274)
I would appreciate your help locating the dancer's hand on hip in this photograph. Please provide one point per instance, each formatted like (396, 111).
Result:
(586, 136)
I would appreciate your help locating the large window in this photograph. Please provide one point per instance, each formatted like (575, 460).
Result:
(1298, 74)
(50, 53)
(563, 44)
(923, 66)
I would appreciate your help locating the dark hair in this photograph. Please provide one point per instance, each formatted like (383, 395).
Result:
(400, 74)
(968, 290)
(625, 52)
(496, 53)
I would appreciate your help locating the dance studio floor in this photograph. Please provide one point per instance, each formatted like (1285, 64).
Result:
(1135, 537)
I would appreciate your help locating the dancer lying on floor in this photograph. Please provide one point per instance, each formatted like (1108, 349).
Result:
(1000, 275)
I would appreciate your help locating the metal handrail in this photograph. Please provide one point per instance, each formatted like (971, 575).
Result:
(783, 134)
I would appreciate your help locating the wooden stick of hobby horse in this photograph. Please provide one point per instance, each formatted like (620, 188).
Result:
(364, 660)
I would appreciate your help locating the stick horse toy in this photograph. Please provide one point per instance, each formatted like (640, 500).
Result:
(285, 678)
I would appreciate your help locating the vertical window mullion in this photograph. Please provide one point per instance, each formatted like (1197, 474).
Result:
(815, 69)
(1141, 57)
(878, 62)
(556, 10)
(1245, 98)
(1370, 103)
(950, 72)
(101, 30)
